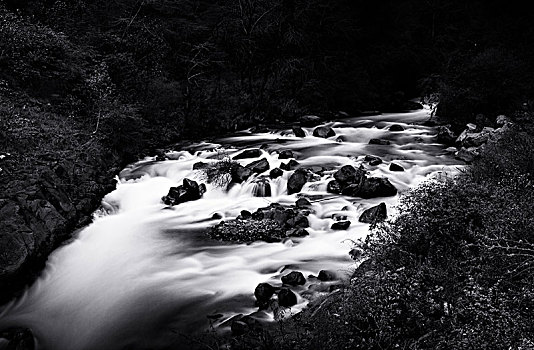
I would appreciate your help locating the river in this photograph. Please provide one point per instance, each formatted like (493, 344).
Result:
(141, 273)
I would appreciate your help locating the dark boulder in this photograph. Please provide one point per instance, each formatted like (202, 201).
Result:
(327, 275)
(263, 293)
(396, 127)
(302, 202)
(310, 120)
(296, 181)
(276, 172)
(286, 154)
(379, 142)
(372, 160)
(349, 175)
(340, 225)
(245, 215)
(259, 166)
(374, 214)
(299, 132)
(248, 153)
(291, 165)
(324, 132)
(395, 167)
(333, 187)
(286, 298)
(240, 173)
(189, 191)
(371, 188)
(294, 278)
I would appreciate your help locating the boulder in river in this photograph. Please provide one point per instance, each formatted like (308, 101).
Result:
(379, 142)
(294, 278)
(374, 214)
(327, 275)
(349, 175)
(263, 293)
(298, 131)
(302, 202)
(258, 166)
(290, 165)
(296, 181)
(276, 172)
(395, 167)
(340, 225)
(286, 297)
(248, 153)
(189, 191)
(297, 232)
(396, 127)
(286, 154)
(468, 154)
(371, 188)
(324, 132)
(333, 187)
(372, 160)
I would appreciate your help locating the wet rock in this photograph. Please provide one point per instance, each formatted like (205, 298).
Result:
(451, 149)
(396, 127)
(299, 132)
(371, 188)
(395, 167)
(263, 293)
(372, 160)
(286, 297)
(286, 154)
(291, 165)
(294, 278)
(324, 132)
(216, 216)
(296, 181)
(355, 253)
(374, 214)
(349, 175)
(189, 191)
(259, 166)
(275, 173)
(302, 203)
(338, 217)
(327, 275)
(271, 224)
(445, 135)
(333, 187)
(248, 153)
(239, 328)
(310, 120)
(340, 225)
(240, 173)
(297, 232)
(379, 142)
(474, 139)
(245, 215)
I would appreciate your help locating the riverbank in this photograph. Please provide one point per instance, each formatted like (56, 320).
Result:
(452, 270)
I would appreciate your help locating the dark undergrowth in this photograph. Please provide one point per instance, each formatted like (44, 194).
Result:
(455, 270)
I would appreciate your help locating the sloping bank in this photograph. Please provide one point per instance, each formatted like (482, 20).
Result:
(453, 271)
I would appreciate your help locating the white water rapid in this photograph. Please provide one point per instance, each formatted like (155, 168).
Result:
(139, 276)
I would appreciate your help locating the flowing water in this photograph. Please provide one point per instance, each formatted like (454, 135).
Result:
(143, 274)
